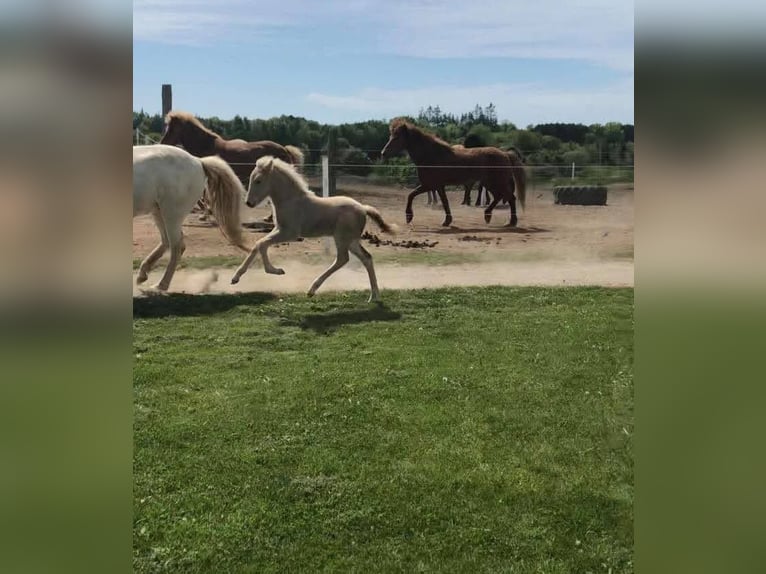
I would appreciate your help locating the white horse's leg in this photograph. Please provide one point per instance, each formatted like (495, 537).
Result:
(177, 247)
(340, 260)
(364, 256)
(157, 252)
(277, 235)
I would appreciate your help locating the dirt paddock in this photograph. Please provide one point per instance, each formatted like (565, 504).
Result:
(552, 245)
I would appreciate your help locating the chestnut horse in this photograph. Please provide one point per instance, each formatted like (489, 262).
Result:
(439, 164)
(184, 129)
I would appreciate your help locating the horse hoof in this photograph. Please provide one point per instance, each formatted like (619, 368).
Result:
(487, 217)
(513, 222)
(408, 217)
(234, 280)
(275, 271)
(447, 222)
(310, 294)
(141, 279)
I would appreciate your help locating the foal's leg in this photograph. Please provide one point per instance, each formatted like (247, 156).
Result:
(157, 252)
(277, 235)
(445, 203)
(364, 256)
(413, 194)
(340, 260)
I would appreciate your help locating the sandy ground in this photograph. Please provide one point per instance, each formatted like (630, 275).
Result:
(553, 245)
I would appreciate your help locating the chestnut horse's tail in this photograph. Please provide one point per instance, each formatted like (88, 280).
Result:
(375, 215)
(296, 155)
(519, 175)
(224, 194)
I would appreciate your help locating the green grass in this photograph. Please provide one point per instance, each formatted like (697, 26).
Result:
(451, 430)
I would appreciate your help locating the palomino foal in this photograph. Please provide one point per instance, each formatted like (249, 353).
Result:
(298, 212)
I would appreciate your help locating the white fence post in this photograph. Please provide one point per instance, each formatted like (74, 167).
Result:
(325, 175)
(573, 170)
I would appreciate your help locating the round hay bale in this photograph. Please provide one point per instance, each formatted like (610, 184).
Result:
(580, 195)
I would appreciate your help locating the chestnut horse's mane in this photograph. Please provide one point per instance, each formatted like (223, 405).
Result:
(188, 118)
(396, 123)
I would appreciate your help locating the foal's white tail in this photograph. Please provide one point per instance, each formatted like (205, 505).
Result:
(224, 193)
(375, 215)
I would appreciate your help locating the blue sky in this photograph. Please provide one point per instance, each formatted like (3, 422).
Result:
(342, 61)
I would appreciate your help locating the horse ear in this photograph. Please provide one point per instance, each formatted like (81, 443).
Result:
(268, 165)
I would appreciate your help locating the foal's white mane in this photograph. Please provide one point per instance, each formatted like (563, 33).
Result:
(286, 170)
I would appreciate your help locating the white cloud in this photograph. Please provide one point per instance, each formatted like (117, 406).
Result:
(522, 104)
(599, 31)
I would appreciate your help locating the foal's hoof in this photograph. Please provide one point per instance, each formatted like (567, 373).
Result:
(275, 271)
(234, 280)
(513, 222)
(447, 221)
(141, 278)
(487, 217)
(408, 217)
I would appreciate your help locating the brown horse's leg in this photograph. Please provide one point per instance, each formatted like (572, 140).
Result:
(467, 193)
(491, 206)
(512, 200)
(445, 203)
(413, 194)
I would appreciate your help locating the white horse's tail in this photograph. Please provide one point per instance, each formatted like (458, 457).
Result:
(296, 155)
(375, 215)
(224, 193)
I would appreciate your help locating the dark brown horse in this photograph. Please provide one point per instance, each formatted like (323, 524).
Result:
(439, 164)
(184, 129)
(517, 159)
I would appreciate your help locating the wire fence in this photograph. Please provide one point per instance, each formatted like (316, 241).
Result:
(405, 173)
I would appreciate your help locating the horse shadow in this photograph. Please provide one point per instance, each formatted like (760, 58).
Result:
(522, 230)
(325, 323)
(187, 305)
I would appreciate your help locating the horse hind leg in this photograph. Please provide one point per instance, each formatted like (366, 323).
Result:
(177, 246)
(157, 252)
(364, 256)
(340, 260)
(491, 206)
(445, 203)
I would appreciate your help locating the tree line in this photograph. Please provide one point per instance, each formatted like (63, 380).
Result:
(550, 147)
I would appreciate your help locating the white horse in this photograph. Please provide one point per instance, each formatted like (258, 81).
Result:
(167, 183)
(298, 212)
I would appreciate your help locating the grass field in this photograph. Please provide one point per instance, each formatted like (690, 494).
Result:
(451, 430)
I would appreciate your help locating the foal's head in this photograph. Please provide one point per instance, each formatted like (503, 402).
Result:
(260, 184)
(397, 141)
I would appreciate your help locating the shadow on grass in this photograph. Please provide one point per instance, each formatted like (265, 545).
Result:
(328, 322)
(185, 305)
